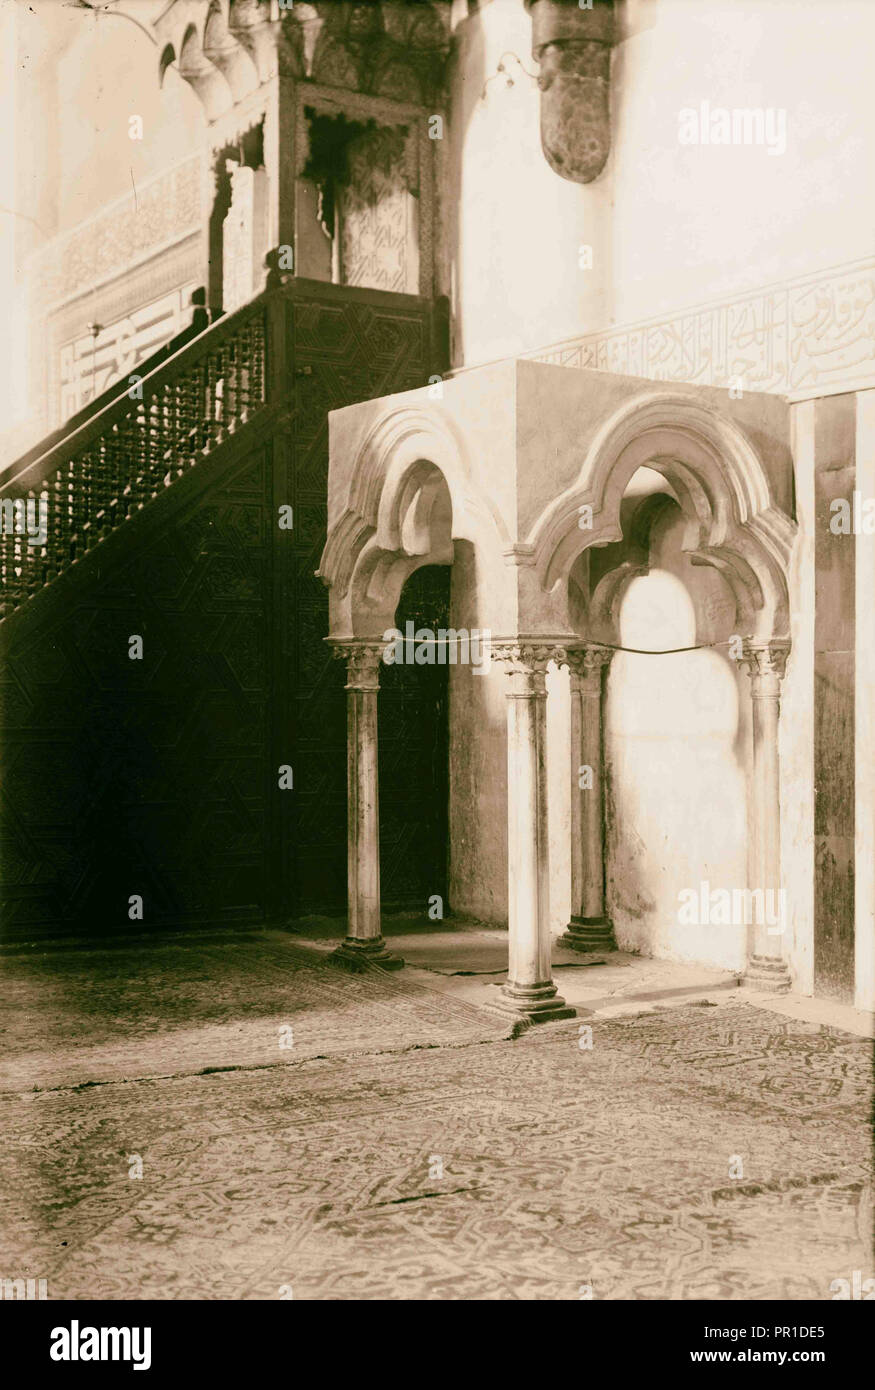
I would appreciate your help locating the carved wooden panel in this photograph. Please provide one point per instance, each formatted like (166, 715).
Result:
(147, 776)
(378, 244)
(347, 348)
(160, 777)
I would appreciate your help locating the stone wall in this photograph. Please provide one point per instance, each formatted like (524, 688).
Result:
(704, 251)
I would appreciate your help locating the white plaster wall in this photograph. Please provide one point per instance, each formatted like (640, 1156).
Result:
(81, 75)
(478, 763)
(695, 222)
(16, 230)
(670, 225)
(109, 73)
(676, 749)
(511, 229)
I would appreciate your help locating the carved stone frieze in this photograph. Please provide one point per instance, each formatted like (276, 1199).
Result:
(806, 337)
(125, 231)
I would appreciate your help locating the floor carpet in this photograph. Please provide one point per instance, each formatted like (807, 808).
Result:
(699, 1152)
(173, 1006)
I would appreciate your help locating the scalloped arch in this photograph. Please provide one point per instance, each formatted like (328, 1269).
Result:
(720, 483)
(396, 446)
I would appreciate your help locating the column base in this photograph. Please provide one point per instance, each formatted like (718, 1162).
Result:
(534, 1003)
(589, 934)
(768, 974)
(356, 954)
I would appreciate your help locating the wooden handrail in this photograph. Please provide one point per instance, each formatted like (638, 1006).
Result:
(88, 482)
(61, 503)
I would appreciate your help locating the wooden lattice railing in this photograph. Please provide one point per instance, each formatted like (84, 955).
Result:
(94, 479)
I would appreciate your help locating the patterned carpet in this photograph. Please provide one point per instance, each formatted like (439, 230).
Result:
(504, 1170)
(108, 1014)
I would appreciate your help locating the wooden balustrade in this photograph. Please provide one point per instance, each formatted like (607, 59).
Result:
(94, 479)
(115, 460)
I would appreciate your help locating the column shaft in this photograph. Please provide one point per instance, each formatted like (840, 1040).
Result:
(589, 929)
(364, 940)
(766, 967)
(363, 815)
(529, 899)
(592, 856)
(529, 991)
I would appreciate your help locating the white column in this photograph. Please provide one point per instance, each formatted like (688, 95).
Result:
(364, 941)
(766, 968)
(529, 991)
(589, 929)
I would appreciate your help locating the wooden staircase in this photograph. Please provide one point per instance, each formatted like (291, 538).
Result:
(158, 777)
(123, 455)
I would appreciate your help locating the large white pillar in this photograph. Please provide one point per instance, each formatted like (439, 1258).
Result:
(529, 990)
(589, 929)
(766, 968)
(364, 941)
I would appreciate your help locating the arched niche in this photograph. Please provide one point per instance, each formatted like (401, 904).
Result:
(714, 473)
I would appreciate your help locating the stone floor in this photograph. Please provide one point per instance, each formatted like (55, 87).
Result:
(301, 1131)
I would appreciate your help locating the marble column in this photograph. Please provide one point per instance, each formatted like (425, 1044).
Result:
(364, 941)
(766, 968)
(529, 991)
(589, 929)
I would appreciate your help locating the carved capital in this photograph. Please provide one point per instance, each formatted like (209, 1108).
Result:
(362, 663)
(587, 661)
(526, 663)
(766, 662)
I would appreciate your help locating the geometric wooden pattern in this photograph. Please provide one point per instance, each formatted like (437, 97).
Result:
(146, 776)
(159, 777)
(348, 347)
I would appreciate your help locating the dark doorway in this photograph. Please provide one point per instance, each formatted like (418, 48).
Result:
(414, 755)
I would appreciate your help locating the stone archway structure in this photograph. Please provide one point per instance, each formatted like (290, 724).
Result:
(528, 463)
(399, 502)
(723, 489)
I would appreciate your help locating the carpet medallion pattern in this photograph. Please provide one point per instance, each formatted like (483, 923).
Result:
(716, 1153)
